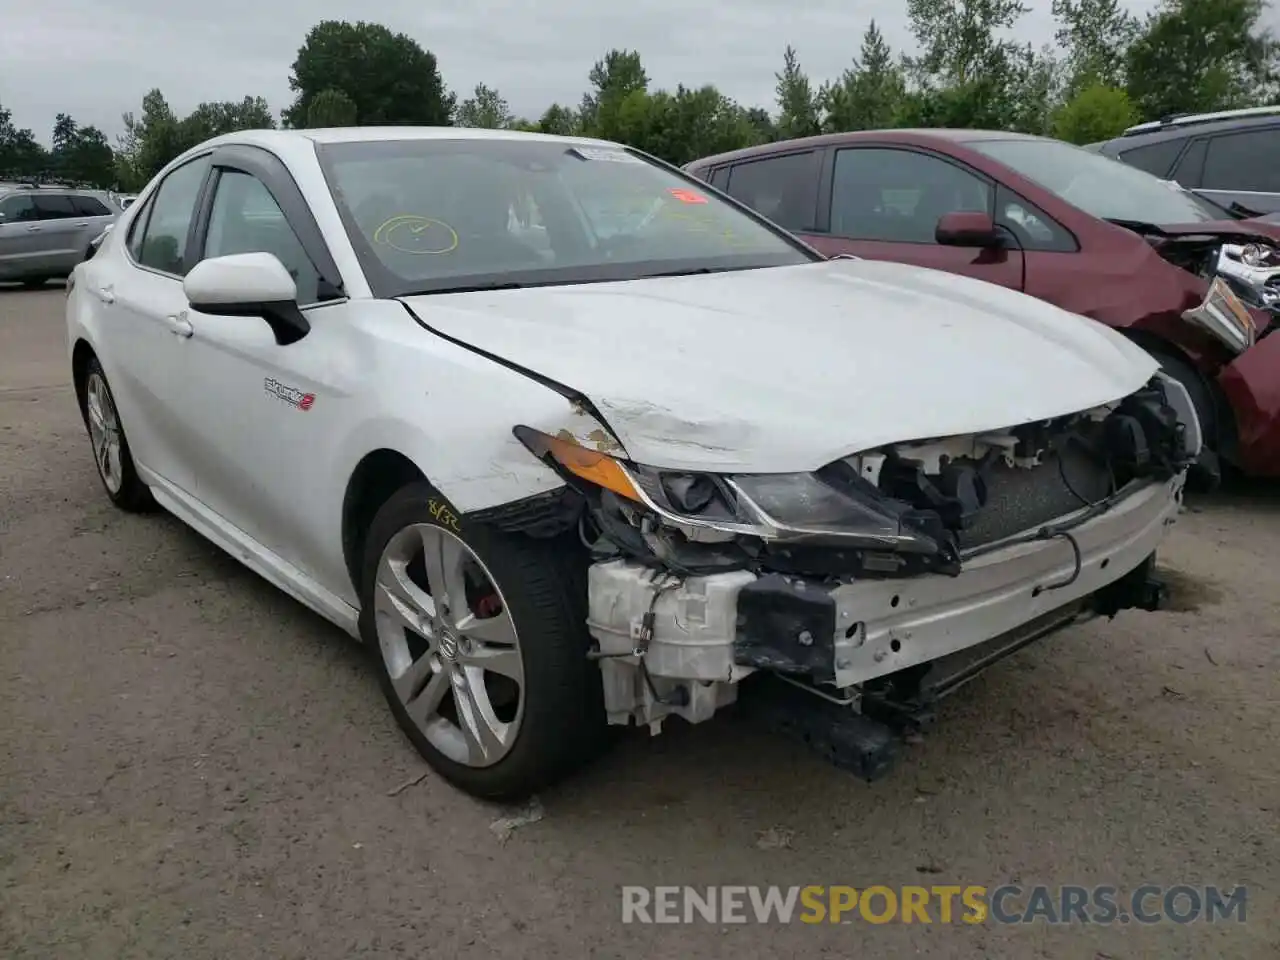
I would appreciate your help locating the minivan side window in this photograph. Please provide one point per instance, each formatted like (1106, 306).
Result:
(18, 208)
(1156, 159)
(1243, 161)
(89, 206)
(898, 196)
(783, 188)
(164, 240)
(54, 206)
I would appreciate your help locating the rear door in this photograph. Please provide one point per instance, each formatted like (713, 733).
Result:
(1243, 168)
(61, 229)
(884, 203)
(783, 187)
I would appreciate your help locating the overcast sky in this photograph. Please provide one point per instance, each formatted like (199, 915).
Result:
(94, 59)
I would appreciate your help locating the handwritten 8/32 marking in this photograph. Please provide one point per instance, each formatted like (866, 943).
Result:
(444, 515)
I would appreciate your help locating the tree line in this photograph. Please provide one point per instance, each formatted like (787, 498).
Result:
(1106, 70)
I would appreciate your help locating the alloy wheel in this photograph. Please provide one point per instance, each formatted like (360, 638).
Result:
(449, 644)
(104, 432)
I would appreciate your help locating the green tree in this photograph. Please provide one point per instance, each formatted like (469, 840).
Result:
(1095, 113)
(766, 131)
(216, 118)
(85, 158)
(968, 72)
(1199, 55)
(1095, 36)
(21, 155)
(869, 95)
(612, 80)
(486, 109)
(559, 121)
(331, 108)
(159, 134)
(388, 76)
(796, 99)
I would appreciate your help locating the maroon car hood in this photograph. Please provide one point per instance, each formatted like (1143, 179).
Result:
(1244, 229)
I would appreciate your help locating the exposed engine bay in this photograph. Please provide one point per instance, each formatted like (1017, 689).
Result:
(1251, 269)
(849, 583)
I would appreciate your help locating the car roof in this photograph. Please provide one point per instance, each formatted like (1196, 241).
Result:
(1182, 127)
(377, 134)
(903, 135)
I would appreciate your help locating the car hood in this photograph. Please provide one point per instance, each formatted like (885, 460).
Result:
(1242, 230)
(790, 368)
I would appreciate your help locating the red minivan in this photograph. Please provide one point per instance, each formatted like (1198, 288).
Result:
(1195, 284)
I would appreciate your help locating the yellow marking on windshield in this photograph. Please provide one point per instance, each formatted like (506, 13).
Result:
(407, 228)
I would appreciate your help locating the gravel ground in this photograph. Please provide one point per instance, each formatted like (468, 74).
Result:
(192, 765)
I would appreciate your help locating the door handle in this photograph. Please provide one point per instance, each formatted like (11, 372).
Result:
(106, 294)
(179, 325)
(35, 227)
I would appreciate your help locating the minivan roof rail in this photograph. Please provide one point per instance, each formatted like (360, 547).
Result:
(1191, 119)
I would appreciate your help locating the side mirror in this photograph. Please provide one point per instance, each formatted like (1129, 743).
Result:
(248, 285)
(968, 230)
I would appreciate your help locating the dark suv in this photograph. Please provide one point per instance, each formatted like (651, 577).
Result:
(1229, 157)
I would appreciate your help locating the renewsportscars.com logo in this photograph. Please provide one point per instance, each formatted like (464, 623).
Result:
(290, 395)
(945, 904)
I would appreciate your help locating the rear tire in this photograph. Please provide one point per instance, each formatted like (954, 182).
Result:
(111, 454)
(1205, 475)
(525, 732)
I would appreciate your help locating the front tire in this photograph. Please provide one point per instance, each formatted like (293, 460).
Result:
(111, 454)
(480, 644)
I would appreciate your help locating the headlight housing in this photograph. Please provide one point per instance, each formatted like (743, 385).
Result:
(1224, 316)
(833, 505)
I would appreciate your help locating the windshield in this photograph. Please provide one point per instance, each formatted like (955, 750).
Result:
(430, 216)
(1098, 185)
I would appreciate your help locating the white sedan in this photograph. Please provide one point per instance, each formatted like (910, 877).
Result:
(560, 473)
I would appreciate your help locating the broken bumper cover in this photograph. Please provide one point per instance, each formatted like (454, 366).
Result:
(706, 633)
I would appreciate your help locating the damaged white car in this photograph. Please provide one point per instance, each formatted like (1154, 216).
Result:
(570, 440)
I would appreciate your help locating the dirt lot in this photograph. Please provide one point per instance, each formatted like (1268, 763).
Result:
(192, 765)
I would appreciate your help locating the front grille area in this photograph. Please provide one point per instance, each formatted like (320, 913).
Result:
(1021, 499)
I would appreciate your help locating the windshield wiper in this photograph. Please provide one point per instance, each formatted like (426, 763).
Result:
(1242, 212)
(1138, 226)
(467, 288)
(688, 273)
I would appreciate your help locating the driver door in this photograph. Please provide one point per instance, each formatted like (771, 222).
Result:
(885, 204)
(272, 406)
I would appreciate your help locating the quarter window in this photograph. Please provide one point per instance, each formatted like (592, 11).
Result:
(90, 207)
(782, 188)
(1244, 161)
(164, 239)
(245, 218)
(898, 196)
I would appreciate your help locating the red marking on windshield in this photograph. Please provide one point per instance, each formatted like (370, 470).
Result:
(687, 196)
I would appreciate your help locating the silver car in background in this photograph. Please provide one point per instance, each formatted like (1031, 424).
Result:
(46, 230)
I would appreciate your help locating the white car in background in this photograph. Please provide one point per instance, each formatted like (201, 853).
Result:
(610, 479)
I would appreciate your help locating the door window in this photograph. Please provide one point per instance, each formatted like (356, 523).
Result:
(783, 188)
(1191, 166)
(164, 239)
(18, 208)
(1244, 161)
(54, 206)
(245, 218)
(1033, 228)
(1155, 158)
(898, 196)
(90, 207)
